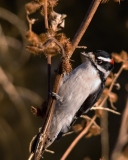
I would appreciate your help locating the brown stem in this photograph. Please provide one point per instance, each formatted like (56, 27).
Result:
(45, 14)
(77, 139)
(84, 25)
(49, 75)
(50, 109)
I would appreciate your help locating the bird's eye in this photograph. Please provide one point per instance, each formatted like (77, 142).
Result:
(99, 61)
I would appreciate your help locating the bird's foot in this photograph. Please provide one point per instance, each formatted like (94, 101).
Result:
(60, 99)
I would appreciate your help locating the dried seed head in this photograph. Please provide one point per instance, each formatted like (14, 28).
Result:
(117, 58)
(52, 48)
(34, 50)
(32, 7)
(33, 38)
(65, 43)
(52, 3)
(43, 37)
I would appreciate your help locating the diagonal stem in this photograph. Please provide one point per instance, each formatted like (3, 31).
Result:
(85, 23)
(111, 86)
(78, 138)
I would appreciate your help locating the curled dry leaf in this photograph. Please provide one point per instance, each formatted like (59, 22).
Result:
(117, 58)
(117, 85)
(56, 20)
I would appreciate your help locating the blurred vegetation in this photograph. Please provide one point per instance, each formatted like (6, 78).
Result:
(23, 79)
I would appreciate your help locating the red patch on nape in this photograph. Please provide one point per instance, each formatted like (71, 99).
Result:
(112, 61)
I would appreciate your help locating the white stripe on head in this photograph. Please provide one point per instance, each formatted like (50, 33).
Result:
(105, 59)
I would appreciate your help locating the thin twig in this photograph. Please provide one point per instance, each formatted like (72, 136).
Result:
(47, 120)
(84, 25)
(78, 138)
(68, 133)
(111, 86)
(49, 151)
(107, 109)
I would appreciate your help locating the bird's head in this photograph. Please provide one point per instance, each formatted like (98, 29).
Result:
(101, 60)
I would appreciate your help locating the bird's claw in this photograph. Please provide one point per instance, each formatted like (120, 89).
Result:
(60, 99)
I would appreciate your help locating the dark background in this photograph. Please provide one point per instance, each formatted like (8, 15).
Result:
(108, 31)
